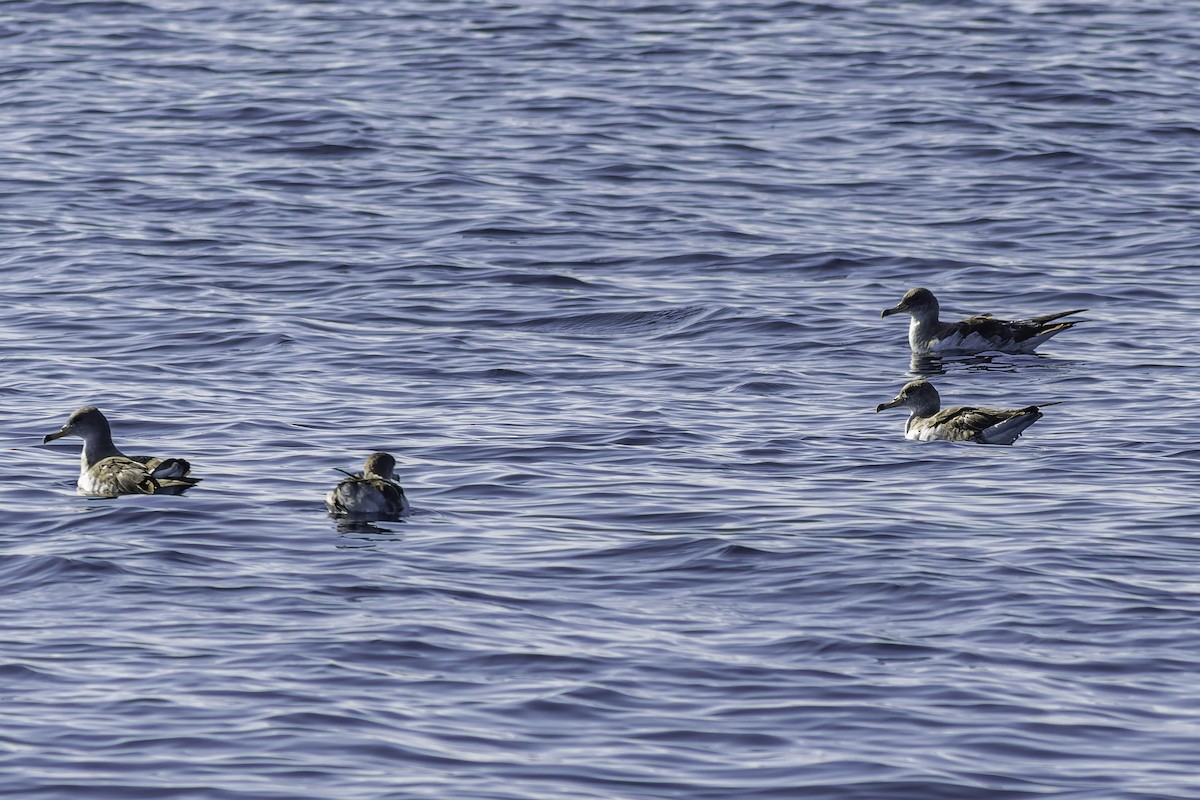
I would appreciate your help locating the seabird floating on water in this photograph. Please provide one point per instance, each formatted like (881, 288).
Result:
(928, 422)
(107, 472)
(977, 334)
(372, 494)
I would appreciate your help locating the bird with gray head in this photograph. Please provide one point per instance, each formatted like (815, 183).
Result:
(928, 422)
(107, 472)
(978, 334)
(370, 495)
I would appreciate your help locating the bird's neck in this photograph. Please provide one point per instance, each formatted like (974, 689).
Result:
(923, 410)
(922, 330)
(97, 448)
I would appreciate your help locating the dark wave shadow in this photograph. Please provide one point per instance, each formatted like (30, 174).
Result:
(619, 323)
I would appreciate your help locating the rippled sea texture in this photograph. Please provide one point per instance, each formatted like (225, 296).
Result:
(606, 279)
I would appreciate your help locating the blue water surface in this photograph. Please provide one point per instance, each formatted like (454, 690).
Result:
(606, 278)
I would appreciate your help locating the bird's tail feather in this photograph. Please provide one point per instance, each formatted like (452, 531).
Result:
(1042, 320)
(1006, 432)
(170, 468)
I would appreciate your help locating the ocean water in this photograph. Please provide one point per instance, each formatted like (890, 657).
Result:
(606, 278)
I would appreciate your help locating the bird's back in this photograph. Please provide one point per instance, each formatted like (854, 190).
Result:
(367, 496)
(984, 332)
(119, 474)
(971, 424)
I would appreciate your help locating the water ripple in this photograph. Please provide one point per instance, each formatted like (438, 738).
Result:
(607, 283)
